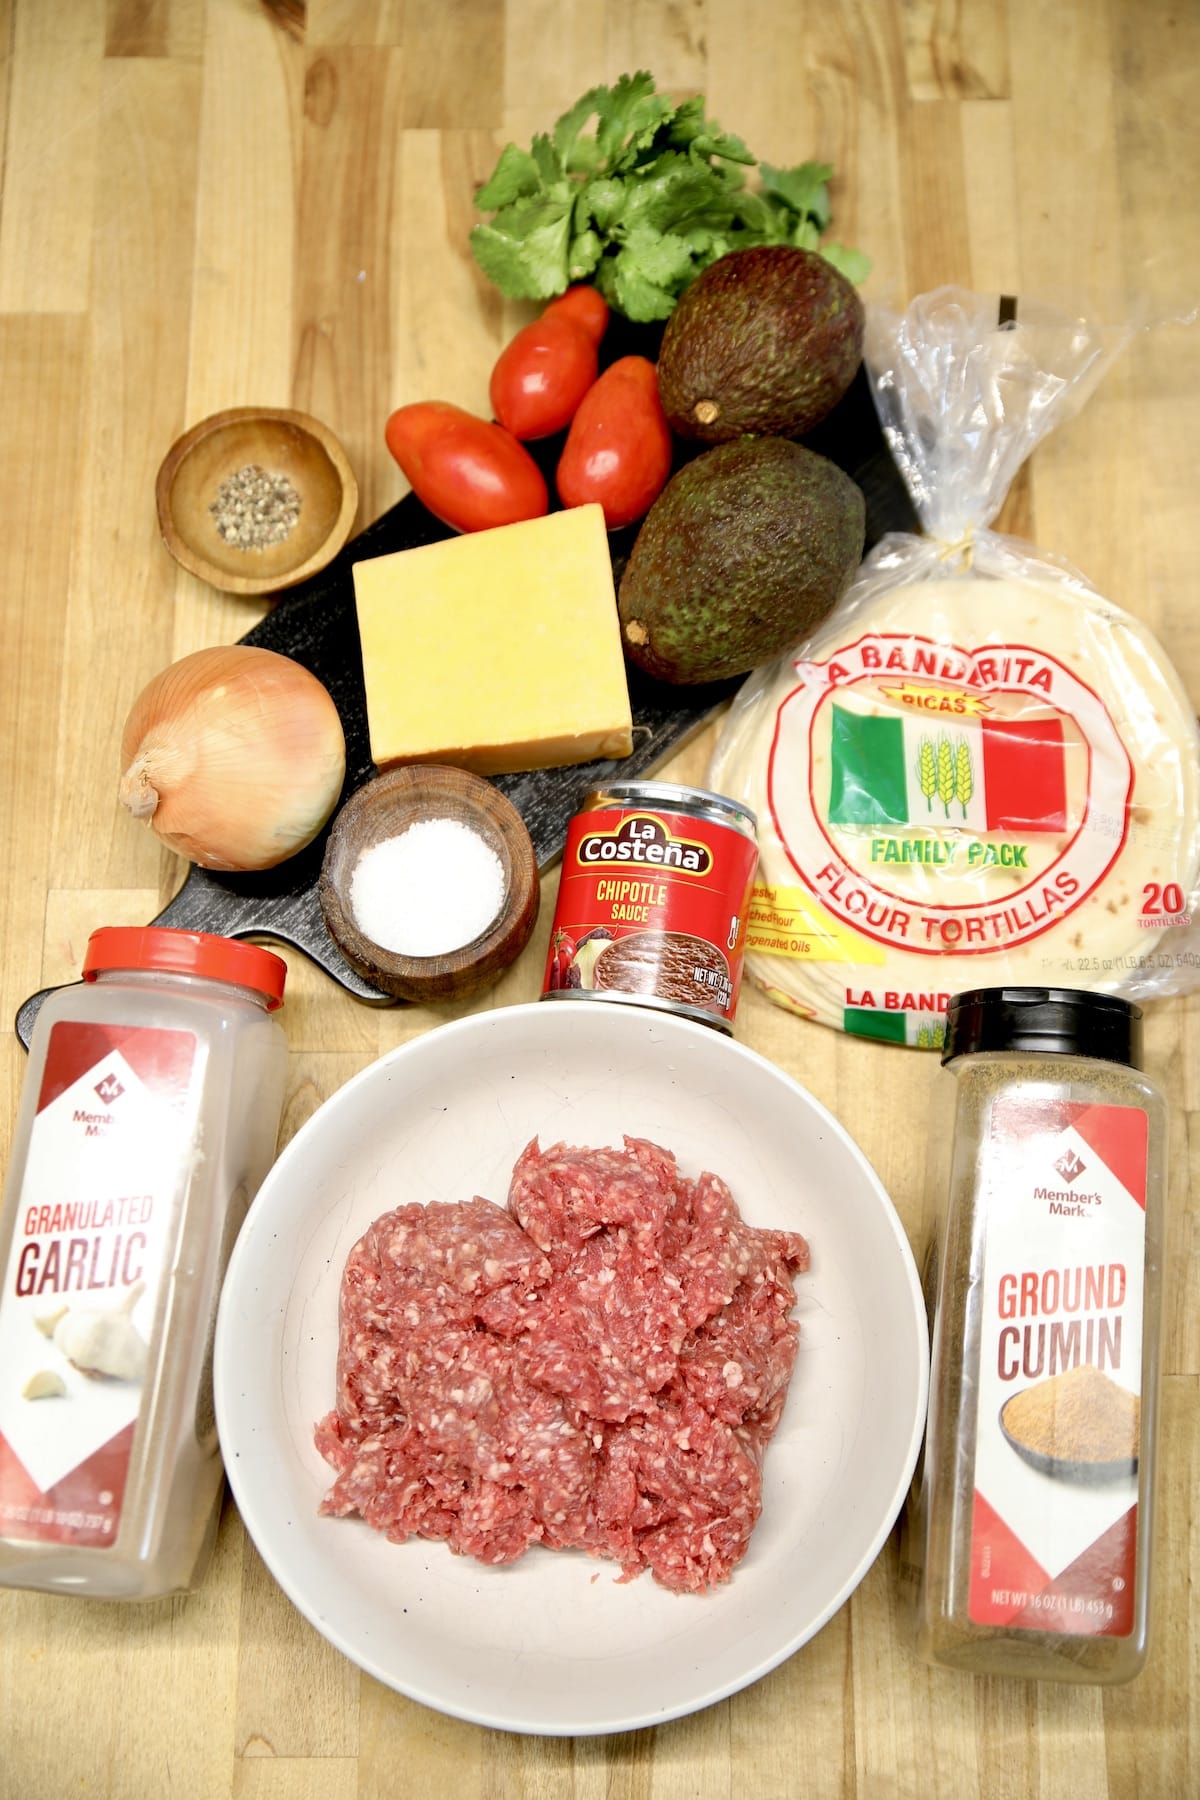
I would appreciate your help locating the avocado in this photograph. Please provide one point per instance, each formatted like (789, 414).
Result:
(745, 549)
(765, 340)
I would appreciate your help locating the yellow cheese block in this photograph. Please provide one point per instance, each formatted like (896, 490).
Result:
(496, 650)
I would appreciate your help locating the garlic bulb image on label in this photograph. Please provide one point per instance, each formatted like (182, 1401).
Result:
(104, 1340)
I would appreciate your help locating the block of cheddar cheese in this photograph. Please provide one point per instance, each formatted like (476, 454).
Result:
(497, 650)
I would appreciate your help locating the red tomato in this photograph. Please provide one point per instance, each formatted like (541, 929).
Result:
(584, 307)
(470, 473)
(540, 378)
(618, 450)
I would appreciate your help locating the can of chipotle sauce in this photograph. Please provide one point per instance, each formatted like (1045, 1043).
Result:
(652, 900)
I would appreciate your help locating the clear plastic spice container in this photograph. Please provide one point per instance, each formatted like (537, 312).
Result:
(148, 1118)
(1038, 1481)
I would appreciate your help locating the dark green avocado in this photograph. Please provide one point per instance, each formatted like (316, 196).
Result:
(744, 551)
(765, 340)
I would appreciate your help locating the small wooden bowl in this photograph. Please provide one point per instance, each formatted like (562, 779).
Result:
(281, 443)
(385, 807)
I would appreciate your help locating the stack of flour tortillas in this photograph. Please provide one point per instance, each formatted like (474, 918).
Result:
(969, 778)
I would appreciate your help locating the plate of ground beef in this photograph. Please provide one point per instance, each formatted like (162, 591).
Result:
(571, 1368)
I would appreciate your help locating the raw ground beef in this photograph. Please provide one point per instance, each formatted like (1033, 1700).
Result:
(599, 1367)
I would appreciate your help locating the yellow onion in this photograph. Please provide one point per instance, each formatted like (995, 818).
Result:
(235, 757)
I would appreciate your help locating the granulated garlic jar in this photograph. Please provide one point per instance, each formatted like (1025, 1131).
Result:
(148, 1119)
(1036, 1495)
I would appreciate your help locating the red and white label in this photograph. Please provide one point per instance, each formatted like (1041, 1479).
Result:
(1053, 1541)
(654, 904)
(111, 1150)
(957, 801)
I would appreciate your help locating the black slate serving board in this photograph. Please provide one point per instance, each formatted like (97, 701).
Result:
(315, 623)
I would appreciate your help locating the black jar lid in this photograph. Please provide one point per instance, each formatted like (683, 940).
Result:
(1045, 1021)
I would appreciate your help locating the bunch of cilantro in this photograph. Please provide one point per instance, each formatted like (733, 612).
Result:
(641, 204)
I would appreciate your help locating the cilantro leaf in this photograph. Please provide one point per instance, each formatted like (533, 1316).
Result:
(601, 201)
(630, 292)
(640, 194)
(689, 121)
(855, 265)
(548, 161)
(721, 143)
(515, 176)
(665, 192)
(658, 257)
(755, 214)
(585, 252)
(690, 130)
(631, 117)
(502, 260)
(568, 130)
(805, 189)
(524, 249)
(706, 243)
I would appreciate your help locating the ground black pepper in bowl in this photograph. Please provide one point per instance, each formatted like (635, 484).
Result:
(255, 499)
(254, 508)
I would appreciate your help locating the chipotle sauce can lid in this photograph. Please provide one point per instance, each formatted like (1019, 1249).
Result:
(174, 952)
(668, 794)
(1044, 1021)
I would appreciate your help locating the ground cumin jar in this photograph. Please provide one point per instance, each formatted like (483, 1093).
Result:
(653, 900)
(1037, 1488)
(148, 1118)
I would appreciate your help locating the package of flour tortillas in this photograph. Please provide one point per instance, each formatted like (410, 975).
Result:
(977, 770)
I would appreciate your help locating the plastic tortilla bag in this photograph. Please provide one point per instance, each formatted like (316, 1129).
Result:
(977, 770)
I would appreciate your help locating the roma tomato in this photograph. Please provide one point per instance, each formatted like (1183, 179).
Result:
(618, 450)
(470, 473)
(541, 376)
(585, 307)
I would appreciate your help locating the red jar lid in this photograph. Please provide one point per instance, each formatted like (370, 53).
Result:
(187, 953)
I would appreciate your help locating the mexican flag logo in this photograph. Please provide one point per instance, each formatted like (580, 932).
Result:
(940, 799)
(982, 774)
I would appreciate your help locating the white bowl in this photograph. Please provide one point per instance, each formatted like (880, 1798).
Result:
(553, 1643)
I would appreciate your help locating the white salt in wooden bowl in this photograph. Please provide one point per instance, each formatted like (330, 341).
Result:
(382, 810)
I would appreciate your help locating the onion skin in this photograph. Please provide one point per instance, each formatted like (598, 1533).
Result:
(235, 757)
